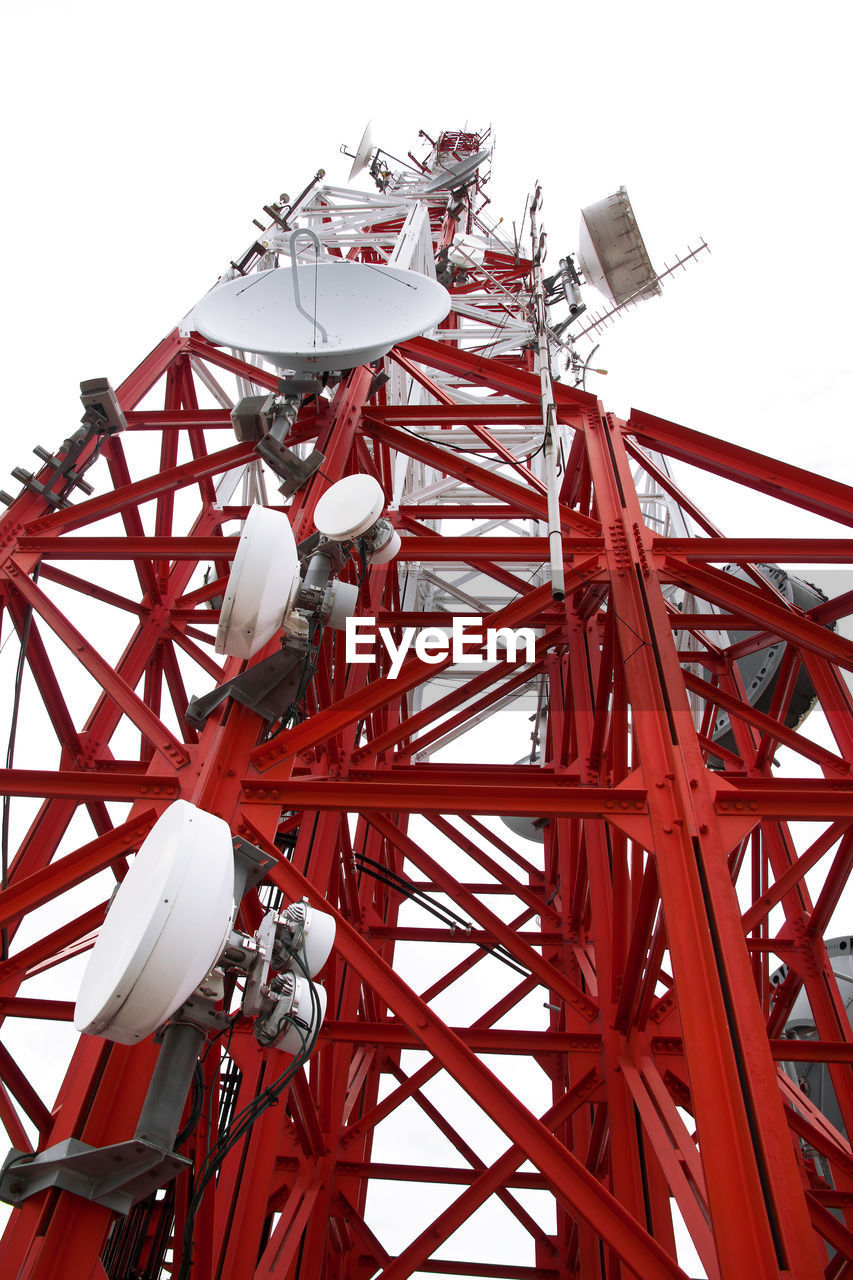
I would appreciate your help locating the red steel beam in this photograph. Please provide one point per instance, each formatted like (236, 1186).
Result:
(778, 479)
(582, 1193)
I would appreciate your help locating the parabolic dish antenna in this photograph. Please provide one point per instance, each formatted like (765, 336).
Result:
(165, 929)
(454, 175)
(611, 251)
(264, 579)
(338, 314)
(350, 507)
(362, 154)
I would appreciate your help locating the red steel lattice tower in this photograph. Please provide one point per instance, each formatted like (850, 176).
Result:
(551, 1043)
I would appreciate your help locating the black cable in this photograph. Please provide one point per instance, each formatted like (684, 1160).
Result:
(422, 899)
(294, 714)
(394, 881)
(197, 1106)
(10, 757)
(472, 453)
(242, 1123)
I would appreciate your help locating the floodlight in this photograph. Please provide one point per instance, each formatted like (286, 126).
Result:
(165, 929)
(263, 582)
(101, 405)
(352, 508)
(321, 316)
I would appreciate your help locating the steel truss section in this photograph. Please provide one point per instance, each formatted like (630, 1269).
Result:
(559, 1050)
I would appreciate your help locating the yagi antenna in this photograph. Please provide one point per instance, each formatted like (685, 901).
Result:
(601, 319)
(614, 260)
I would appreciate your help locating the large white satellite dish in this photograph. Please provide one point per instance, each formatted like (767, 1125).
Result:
(362, 154)
(165, 929)
(455, 174)
(611, 251)
(263, 581)
(323, 315)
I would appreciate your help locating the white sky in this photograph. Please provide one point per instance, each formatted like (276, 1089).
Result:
(141, 141)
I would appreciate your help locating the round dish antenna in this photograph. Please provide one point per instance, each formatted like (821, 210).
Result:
(352, 508)
(456, 174)
(263, 582)
(165, 929)
(611, 252)
(349, 507)
(324, 315)
(361, 159)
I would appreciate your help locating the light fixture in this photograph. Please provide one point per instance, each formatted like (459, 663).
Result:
(165, 929)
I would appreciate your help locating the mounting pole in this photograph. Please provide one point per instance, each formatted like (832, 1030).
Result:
(549, 410)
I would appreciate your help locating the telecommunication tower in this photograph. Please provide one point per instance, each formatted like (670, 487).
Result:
(367, 1004)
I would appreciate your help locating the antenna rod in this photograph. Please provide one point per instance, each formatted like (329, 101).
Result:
(549, 411)
(598, 321)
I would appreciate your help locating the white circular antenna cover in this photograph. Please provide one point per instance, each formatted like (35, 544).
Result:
(308, 1011)
(344, 604)
(263, 581)
(165, 929)
(318, 939)
(388, 550)
(341, 314)
(362, 154)
(349, 507)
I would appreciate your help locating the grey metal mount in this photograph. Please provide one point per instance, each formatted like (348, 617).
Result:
(250, 867)
(267, 688)
(268, 421)
(293, 470)
(116, 1177)
(119, 1175)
